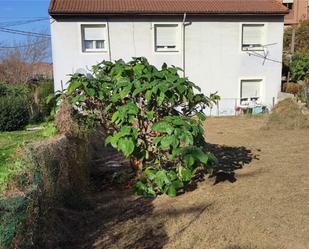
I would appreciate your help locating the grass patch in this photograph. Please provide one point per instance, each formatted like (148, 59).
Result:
(12, 212)
(11, 142)
(287, 114)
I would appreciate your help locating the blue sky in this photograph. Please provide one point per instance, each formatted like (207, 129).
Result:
(13, 11)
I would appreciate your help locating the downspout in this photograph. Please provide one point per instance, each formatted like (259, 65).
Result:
(109, 41)
(184, 44)
(184, 24)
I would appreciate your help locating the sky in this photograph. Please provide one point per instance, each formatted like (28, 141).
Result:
(14, 14)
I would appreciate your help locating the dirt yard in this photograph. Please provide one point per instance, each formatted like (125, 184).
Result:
(259, 201)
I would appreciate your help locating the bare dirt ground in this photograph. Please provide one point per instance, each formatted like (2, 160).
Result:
(260, 201)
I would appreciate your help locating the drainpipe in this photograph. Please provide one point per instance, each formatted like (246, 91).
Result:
(109, 41)
(184, 24)
(184, 44)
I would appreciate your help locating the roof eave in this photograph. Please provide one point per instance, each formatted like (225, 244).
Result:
(83, 14)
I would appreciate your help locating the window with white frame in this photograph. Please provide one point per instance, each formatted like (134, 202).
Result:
(94, 38)
(250, 91)
(253, 36)
(167, 37)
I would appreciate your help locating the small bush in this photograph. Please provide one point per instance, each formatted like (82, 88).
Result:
(292, 88)
(41, 109)
(153, 116)
(14, 113)
(287, 114)
(14, 90)
(300, 66)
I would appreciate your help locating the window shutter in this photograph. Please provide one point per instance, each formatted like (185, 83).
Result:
(252, 34)
(94, 33)
(166, 35)
(250, 88)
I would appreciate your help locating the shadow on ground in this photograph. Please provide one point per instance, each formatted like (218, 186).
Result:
(230, 159)
(120, 220)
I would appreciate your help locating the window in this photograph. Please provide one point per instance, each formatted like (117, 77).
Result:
(94, 38)
(288, 5)
(252, 36)
(250, 91)
(166, 37)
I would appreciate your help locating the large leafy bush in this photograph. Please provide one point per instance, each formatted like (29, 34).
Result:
(14, 107)
(152, 116)
(300, 66)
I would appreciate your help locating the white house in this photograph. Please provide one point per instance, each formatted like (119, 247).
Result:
(233, 47)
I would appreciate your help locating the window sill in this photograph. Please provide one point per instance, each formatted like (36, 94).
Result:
(94, 51)
(260, 49)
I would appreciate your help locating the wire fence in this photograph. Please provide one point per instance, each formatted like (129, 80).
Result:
(232, 107)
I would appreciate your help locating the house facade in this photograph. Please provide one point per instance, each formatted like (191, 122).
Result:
(298, 11)
(233, 47)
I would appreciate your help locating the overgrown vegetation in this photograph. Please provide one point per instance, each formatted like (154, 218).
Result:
(21, 104)
(300, 66)
(296, 62)
(14, 107)
(301, 38)
(10, 144)
(153, 116)
(287, 114)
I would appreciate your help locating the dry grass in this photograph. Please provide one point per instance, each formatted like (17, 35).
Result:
(287, 114)
(260, 201)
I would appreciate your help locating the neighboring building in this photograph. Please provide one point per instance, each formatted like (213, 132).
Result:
(42, 70)
(299, 11)
(233, 47)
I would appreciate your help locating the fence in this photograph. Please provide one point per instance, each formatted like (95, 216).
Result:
(229, 106)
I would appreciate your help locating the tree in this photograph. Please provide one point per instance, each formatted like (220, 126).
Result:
(154, 117)
(18, 63)
(301, 38)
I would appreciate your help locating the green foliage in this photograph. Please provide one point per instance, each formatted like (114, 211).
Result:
(14, 113)
(41, 108)
(14, 107)
(301, 38)
(12, 212)
(14, 90)
(154, 117)
(300, 66)
(10, 143)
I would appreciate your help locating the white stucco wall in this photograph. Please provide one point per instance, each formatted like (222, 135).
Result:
(213, 56)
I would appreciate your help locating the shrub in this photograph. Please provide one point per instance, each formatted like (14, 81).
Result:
(293, 88)
(301, 37)
(14, 90)
(152, 116)
(14, 113)
(287, 114)
(300, 66)
(41, 108)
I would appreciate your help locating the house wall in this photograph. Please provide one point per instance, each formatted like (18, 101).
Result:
(213, 56)
(300, 11)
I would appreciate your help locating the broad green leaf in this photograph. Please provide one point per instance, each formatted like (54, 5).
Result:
(171, 192)
(148, 95)
(163, 126)
(185, 174)
(151, 173)
(161, 179)
(115, 117)
(189, 160)
(126, 146)
(150, 115)
(156, 140)
(167, 141)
